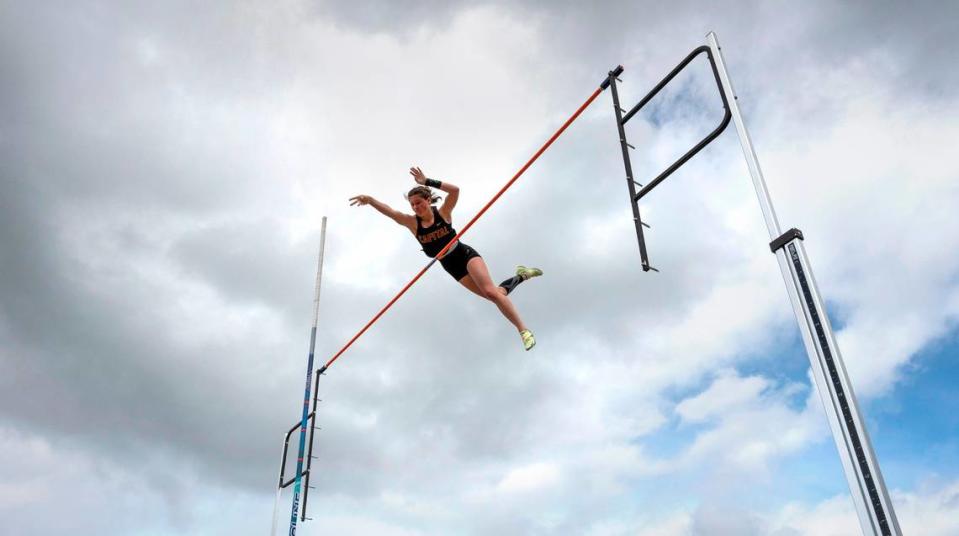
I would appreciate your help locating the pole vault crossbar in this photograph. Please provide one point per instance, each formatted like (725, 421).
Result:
(602, 86)
(861, 467)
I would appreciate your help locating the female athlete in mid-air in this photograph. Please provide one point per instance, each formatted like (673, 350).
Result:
(432, 227)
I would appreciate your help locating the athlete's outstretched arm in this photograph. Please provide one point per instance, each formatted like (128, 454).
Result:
(454, 192)
(405, 220)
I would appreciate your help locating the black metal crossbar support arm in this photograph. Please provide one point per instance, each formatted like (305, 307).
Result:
(630, 181)
(309, 451)
(727, 116)
(621, 121)
(867, 488)
(286, 447)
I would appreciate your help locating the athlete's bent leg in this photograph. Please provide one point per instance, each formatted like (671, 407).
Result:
(479, 273)
(467, 282)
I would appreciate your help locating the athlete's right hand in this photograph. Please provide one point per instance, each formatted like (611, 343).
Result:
(360, 200)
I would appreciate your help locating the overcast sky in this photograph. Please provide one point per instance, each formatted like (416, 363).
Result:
(164, 169)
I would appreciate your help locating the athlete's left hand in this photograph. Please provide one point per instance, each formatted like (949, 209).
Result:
(360, 200)
(418, 175)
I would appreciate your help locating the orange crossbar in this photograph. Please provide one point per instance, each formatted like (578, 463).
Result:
(466, 228)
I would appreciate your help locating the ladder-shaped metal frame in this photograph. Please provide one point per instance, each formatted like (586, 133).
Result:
(311, 418)
(621, 121)
(869, 493)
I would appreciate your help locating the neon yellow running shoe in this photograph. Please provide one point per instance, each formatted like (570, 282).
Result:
(528, 273)
(528, 340)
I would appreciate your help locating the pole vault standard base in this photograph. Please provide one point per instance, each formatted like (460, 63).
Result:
(869, 493)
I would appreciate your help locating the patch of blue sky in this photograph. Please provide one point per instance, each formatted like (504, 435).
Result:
(685, 99)
(673, 438)
(915, 427)
(815, 473)
(785, 365)
(785, 361)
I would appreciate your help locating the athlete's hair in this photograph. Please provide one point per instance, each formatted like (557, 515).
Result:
(425, 192)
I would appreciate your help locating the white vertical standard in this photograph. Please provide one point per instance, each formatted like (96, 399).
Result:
(298, 478)
(876, 514)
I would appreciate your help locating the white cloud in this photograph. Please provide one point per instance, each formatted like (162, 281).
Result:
(531, 478)
(146, 491)
(930, 510)
(726, 394)
(170, 239)
(871, 187)
(754, 427)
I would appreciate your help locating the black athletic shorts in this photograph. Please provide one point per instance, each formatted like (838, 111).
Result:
(455, 260)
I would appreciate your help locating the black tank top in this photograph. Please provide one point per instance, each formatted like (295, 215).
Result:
(435, 237)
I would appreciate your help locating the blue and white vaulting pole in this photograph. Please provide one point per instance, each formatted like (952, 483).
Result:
(306, 393)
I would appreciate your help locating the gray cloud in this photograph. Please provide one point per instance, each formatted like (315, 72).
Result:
(155, 299)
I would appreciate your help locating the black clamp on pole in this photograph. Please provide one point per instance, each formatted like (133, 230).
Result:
(784, 239)
(612, 74)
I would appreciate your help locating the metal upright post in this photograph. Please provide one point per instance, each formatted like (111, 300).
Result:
(309, 450)
(876, 514)
(630, 181)
(306, 394)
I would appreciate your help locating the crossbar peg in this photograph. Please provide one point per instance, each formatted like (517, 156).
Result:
(630, 145)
